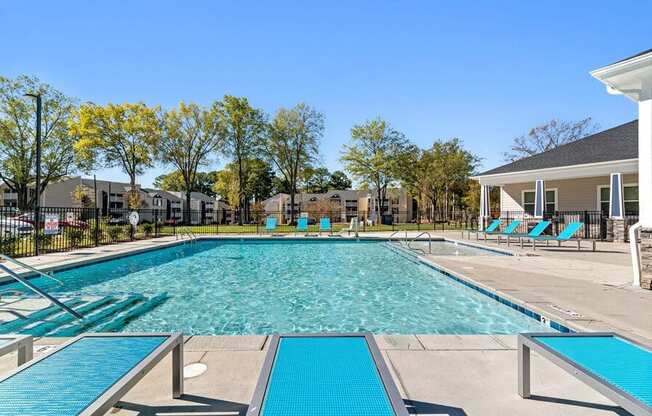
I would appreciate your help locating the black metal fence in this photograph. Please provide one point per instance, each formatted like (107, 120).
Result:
(65, 229)
(595, 222)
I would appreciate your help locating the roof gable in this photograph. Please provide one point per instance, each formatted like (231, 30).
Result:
(617, 143)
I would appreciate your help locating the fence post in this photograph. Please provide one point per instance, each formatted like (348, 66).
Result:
(587, 225)
(97, 227)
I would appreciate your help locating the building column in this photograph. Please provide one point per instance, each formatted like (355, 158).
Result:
(645, 185)
(539, 198)
(616, 207)
(485, 211)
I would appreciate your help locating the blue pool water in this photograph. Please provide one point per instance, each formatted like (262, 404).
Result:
(264, 286)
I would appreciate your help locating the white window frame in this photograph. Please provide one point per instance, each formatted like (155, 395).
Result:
(600, 187)
(555, 190)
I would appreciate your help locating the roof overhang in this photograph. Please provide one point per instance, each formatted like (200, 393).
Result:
(631, 78)
(586, 170)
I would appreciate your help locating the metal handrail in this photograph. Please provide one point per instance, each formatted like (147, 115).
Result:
(30, 268)
(429, 241)
(188, 233)
(40, 292)
(398, 231)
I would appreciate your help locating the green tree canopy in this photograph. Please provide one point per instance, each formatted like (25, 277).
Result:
(374, 156)
(190, 136)
(293, 143)
(18, 136)
(173, 181)
(242, 128)
(117, 135)
(339, 180)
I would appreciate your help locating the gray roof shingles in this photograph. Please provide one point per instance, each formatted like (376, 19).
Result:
(617, 143)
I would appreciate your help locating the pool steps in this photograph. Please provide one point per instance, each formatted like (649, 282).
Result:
(106, 313)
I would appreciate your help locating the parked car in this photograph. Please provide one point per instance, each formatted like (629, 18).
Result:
(14, 227)
(63, 222)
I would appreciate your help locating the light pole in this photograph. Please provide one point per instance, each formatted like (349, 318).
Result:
(37, 200)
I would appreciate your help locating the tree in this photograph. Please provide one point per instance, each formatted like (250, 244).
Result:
(260, 179)
(242, 129)
(18, 136)
(117, 135)
(317, 180)
(259, 182)
(339, 180)
(293, 143)
(190, 135)
(548, 136)
(438, 175)
(173, 181)
(373, 157)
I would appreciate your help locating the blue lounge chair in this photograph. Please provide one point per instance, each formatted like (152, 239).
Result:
(270, 224)
(492, 227)
(613, 365)
(325, 375)
(565, 235)
(535, 232)
(89, 374)
(302, 226)
(507, 231)
(325, 225)
(23, 344)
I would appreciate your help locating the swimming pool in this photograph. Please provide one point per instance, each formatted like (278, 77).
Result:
(235, 287)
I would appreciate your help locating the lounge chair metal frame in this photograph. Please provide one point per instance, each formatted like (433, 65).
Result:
(386, 378)
(102, 404)
(528, 342)
(23, 344)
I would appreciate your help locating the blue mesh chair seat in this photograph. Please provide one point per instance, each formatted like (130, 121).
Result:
(88, 375)
(325, 375)
(302, 225)
(325, 225)
(567, 234)
(613, 365)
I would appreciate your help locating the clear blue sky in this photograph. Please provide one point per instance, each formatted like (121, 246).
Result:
(481, 71)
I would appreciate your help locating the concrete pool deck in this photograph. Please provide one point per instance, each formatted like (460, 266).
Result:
(437, 374)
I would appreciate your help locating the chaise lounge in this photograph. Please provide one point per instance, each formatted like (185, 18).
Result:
(565, 235)
(615, 366)
(325, 375)
(88, 374)
(23, 344)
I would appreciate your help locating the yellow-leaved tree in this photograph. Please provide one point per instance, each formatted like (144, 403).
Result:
(117, 135)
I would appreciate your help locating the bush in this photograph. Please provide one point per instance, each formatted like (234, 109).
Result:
(75, 236)
(45, 240)
(9, 244)
(114, 232)
(147, 229)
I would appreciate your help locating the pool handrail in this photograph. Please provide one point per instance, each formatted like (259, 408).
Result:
(40, 292)
(417, 237)
(258, 397)
(107, 399)
(528, 342)
(30, 268)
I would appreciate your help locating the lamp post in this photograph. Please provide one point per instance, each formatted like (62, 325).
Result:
(37, 200)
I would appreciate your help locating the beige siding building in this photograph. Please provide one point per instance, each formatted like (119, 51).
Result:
(594, 180)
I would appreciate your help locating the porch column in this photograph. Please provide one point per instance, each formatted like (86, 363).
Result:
(539, 198)
(645, 185)
(616, 207)
(485, 211)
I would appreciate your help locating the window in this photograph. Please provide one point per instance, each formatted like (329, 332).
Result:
(528, 201)
(630, 199)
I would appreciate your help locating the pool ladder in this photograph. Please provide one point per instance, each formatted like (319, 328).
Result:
(407, 242)
(184, 231)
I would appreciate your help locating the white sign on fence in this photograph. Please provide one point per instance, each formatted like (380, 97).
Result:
(51, 225)
(134, 218)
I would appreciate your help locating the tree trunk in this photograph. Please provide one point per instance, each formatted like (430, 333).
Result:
(187, 212)
(292, 205)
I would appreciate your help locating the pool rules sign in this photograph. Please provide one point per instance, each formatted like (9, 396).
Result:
(51, 225)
